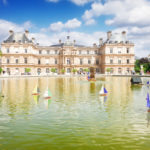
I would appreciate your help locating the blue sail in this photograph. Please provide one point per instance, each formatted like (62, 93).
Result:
(148, 102)
(105, 91)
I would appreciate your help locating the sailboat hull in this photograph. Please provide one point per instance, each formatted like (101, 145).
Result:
(103, 94)
(35, 94)
(47, 97)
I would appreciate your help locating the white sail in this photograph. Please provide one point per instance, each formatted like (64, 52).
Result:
(102, 90)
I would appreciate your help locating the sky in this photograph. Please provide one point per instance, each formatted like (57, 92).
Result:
(84, 20)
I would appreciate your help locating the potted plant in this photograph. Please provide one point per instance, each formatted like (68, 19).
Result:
(27, 71)
(53, 70)
(63, 71)
(108, 70)
(74, 71)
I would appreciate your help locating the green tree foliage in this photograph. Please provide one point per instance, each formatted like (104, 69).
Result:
(74, 70)
(108, 69)
(144, 62)
(1, 70)
(63, 70)
(86, 70)
(53, 70)
(27, 70)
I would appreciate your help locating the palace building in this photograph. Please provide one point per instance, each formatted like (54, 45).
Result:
(112, 56)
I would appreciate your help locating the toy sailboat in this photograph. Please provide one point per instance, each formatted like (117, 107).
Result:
(36, 91)
(103, 91)
(47, 94)
(148, 101)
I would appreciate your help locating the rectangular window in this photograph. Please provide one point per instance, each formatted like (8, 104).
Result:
(128, 61)
(127, 50)
(17, 61)
(95, 52)
(25, 61)
(68, 61)
(39, 61)
(25, 50)
(55, 61)
(55, 51)
(111, 61)
(40, 52)
(111, 50)
(97, 62)
(81, 62)
(79, 52)
(47, 70)
(89, 61)
(119, 51)
(7, 61)
(119, 61)
(88, 52)
(7, 50)
(47, 52)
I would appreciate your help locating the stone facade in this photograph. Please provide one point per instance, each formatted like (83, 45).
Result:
(19, 53)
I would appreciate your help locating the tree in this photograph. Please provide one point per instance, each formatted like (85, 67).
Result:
(137, 66)
(62, 71)
(86, 70)
(74, 70)
(1, 70)
(27, 70)
(108, 70)
(53, 70)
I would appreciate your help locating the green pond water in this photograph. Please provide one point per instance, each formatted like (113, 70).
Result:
(76, 117)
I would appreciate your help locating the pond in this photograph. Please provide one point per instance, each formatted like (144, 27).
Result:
(76, 117)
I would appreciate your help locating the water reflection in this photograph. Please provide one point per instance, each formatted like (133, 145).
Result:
(47, 102)
(36, 98)
(148, 117)
(74, 115)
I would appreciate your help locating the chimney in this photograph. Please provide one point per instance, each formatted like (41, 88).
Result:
(108, 35)
(94, 44)
(33, 40)
(11, 32)
(26, 32)
(59, 41)
(100, 41)
(124, 34)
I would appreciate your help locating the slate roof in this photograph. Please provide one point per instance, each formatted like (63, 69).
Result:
(18, 37)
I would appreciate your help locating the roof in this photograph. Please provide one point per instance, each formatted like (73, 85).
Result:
(18, 37)
(68, 42)
(118, 38)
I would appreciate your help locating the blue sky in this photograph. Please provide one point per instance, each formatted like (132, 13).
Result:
(87, 20)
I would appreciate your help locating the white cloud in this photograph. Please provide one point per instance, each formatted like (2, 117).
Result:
(56, 27)
(90, 22)
(123, 12)
(70, 24)
(81, 2)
